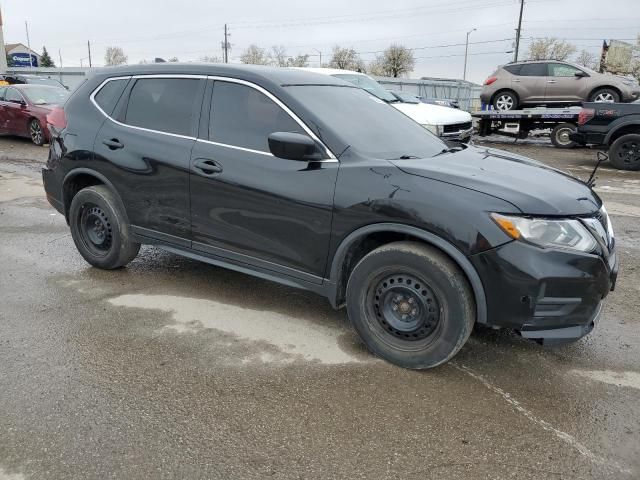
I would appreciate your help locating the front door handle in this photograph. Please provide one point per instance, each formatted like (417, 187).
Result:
(113, 143)
(551, 81)
(207, 167)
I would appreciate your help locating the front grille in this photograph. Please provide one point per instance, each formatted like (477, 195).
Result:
(456, 127)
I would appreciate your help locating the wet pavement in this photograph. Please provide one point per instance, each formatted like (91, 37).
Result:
(171, 368)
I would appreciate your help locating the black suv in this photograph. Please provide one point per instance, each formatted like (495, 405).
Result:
(309, 181)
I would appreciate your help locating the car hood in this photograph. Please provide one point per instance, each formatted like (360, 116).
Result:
(530, 186)
(425, 113)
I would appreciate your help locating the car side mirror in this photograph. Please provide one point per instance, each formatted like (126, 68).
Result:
(293, 146)
(581, 74)
(19, 102)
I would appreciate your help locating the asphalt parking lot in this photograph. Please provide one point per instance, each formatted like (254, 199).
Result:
(171, 368)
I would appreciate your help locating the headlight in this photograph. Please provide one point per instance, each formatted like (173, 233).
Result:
(543, 232)
(435, 129)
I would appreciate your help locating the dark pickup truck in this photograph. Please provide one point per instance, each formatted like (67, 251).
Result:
(615, 126)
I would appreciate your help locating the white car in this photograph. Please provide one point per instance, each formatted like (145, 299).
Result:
(447, 123)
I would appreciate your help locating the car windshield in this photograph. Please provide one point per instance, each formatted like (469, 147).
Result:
(45, 95)
(366, 123)
(368, 84)
(43, 81)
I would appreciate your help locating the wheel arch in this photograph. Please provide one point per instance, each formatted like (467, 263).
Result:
(361, 241)
(629, 124)
(604, 87)
(80, 178)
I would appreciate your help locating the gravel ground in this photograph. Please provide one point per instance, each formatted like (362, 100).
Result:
(171, 368)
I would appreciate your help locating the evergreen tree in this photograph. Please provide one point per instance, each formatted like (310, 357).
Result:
(45, 59)
(9, 61)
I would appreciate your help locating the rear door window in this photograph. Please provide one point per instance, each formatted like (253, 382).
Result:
(164, 104)
(533, 70)
(242, 116)
(109, 94)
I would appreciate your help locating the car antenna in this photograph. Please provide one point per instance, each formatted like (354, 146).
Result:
(601, 158)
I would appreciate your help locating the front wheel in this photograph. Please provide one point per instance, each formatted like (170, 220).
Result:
(410, 304)
(605, 95)
(624, 153)
(36, 132)
(100, 230)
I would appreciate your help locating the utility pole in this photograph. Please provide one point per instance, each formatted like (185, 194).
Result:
(466, 50)
(89, 48)
(519, 31)
(26, 27)
(225, 46)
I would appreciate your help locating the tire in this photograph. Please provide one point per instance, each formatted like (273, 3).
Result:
(410, 304)
(624, 153)
(36, 132)
(560, 135)
(505, 100)
(605, 95)
(100, 230)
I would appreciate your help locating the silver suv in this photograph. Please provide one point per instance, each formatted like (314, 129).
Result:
(553, 82)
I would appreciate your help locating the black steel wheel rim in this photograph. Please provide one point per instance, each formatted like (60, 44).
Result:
(36, 132)
(629, 153)
(95, 229)
(403, 310)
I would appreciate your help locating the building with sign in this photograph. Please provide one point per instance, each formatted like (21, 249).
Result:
(21, 55)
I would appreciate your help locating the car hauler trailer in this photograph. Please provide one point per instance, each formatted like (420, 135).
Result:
(519, 123)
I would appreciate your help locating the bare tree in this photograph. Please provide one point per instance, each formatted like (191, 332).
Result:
(550, 49)
(587, 59)
(114, 56)
(346, 59)
(255, 55)
(397, 61)
(211, 59)
(376, 68)
(278, 56)
(173, 59)
(298, 61)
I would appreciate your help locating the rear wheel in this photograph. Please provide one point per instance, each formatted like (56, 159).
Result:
(605, 95)
(624, 153)
(36, 132)
(505, 101)
(560, 135)
(100, 230)
(410, 304)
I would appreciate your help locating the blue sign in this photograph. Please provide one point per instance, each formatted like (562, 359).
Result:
(22, 60)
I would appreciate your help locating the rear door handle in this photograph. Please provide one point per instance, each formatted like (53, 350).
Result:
(113, 143)
(516, 80)
(207, 167)
(551, 81)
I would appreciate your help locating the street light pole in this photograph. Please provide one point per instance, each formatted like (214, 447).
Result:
(466, 50)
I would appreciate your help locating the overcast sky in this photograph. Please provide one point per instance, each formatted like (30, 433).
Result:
(189, 29)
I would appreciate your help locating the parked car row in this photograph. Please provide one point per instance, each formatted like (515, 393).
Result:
(24, 109)
(309, 181)
(19, 79)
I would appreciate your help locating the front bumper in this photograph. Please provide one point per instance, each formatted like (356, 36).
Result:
(549, 295)
(459, 136)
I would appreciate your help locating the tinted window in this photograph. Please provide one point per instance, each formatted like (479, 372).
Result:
(12, 95)
(244, 117)
(561, 70)
(533, 70)
(2, 92)
(366, 123)
(109, 94)
(163, 104)
(514, 69)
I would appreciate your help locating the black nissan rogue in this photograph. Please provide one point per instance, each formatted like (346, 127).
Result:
(309, 181)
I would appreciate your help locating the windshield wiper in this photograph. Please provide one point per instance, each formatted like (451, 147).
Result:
(405, 157)
(449, 150)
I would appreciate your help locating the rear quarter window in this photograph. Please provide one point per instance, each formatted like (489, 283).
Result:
(107, 97)
(513, 69)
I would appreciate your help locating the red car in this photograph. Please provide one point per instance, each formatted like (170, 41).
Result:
(24, 109)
